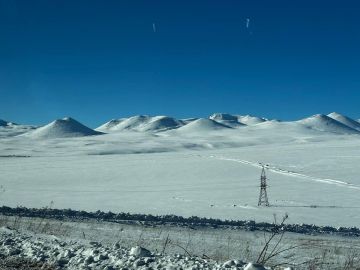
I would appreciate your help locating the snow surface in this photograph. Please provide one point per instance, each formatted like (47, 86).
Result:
(202, 168)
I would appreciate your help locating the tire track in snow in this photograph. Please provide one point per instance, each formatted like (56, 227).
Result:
(291, 173)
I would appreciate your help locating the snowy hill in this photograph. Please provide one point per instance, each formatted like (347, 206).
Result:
(141, 123)
(223, 117)
(109, 125)
(251, 120)
(10, 129)
(161, 123)
(226, 119)
(188, 120)
(3, 123)
(325, 123)
(239, 120)
(345, 120)
(62, 128)
(202, 125)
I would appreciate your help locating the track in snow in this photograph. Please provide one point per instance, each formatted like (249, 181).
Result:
(290, 173)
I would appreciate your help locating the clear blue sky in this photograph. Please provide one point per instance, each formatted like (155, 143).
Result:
(97, 60)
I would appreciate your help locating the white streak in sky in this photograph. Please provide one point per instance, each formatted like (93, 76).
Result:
(247, 23)
(154, 27)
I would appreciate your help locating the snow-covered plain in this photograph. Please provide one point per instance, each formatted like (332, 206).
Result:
(204, 167)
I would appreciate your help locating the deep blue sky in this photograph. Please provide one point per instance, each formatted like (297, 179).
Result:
(97, 60)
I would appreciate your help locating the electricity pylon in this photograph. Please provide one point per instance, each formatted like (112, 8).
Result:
(263, 198)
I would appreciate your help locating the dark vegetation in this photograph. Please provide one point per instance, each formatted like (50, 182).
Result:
(173, 220)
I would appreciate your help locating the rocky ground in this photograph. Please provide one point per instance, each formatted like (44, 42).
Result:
(29, 251)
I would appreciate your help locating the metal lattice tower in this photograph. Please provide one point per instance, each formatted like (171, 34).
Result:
(263, 198)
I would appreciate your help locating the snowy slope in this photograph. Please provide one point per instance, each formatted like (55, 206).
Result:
(325, 123)
(62, 128)
(345, 120)
(226, 119)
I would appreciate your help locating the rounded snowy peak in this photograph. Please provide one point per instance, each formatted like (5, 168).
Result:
(110, 124)
(141, 123)
(132, 123)
(325, 123)
(161, 123)
(250, 120)
(62, 128)
(345, 120)
(223, 117)
(203, 124)
(3, 123)
(226, 119)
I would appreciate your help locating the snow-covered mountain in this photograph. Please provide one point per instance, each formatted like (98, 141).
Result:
(188, 120)
(226, 119)
(345, 120)
(202, 125)
(10, 129)
(325, 123)
(237, 120)
(62, 128)
(110, 125)
(251, 120)
(3, 123)
(141, 123)
(333, 123)
(162, 123)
